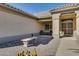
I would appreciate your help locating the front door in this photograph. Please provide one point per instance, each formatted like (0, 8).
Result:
(67, 27)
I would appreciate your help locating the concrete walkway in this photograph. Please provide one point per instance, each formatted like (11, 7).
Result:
(68, 47)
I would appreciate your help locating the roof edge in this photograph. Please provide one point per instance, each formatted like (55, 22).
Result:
(64, 9)
(17, 10)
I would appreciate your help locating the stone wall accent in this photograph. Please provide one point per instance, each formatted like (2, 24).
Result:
(55, 25)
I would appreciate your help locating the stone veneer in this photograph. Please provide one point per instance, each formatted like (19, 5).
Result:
(55, 25)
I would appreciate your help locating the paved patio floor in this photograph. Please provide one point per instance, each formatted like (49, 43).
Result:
(68, 47)
(48, 49)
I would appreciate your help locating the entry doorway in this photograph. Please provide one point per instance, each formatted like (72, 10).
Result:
(67, 27)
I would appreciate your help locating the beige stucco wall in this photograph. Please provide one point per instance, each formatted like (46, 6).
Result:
(77, 27)
(12, 24)
(77, 22)
(15, 26)
(43, 22)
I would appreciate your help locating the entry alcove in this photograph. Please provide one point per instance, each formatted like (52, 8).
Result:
(67, 24)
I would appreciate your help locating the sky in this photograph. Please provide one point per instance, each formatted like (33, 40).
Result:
(33, 8)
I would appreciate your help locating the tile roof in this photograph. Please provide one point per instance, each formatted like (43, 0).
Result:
(67, 6)
(17, 10)
(44, 14)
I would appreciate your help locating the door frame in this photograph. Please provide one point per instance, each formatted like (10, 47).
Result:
(60, 27)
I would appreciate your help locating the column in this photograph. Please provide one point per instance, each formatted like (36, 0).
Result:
(55, 25)
(77, 23)
(77, 27)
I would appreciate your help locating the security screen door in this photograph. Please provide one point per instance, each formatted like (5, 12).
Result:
(67, 27)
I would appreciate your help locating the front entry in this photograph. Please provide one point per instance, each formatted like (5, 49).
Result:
(67, 27)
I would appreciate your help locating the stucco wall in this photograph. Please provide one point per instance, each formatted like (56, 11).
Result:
(77, 27)
(43, 22)
(12, 25)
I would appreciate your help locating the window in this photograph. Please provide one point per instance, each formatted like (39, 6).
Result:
(48, 26)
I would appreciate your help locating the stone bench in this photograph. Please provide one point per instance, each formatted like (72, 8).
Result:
(26, 40)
